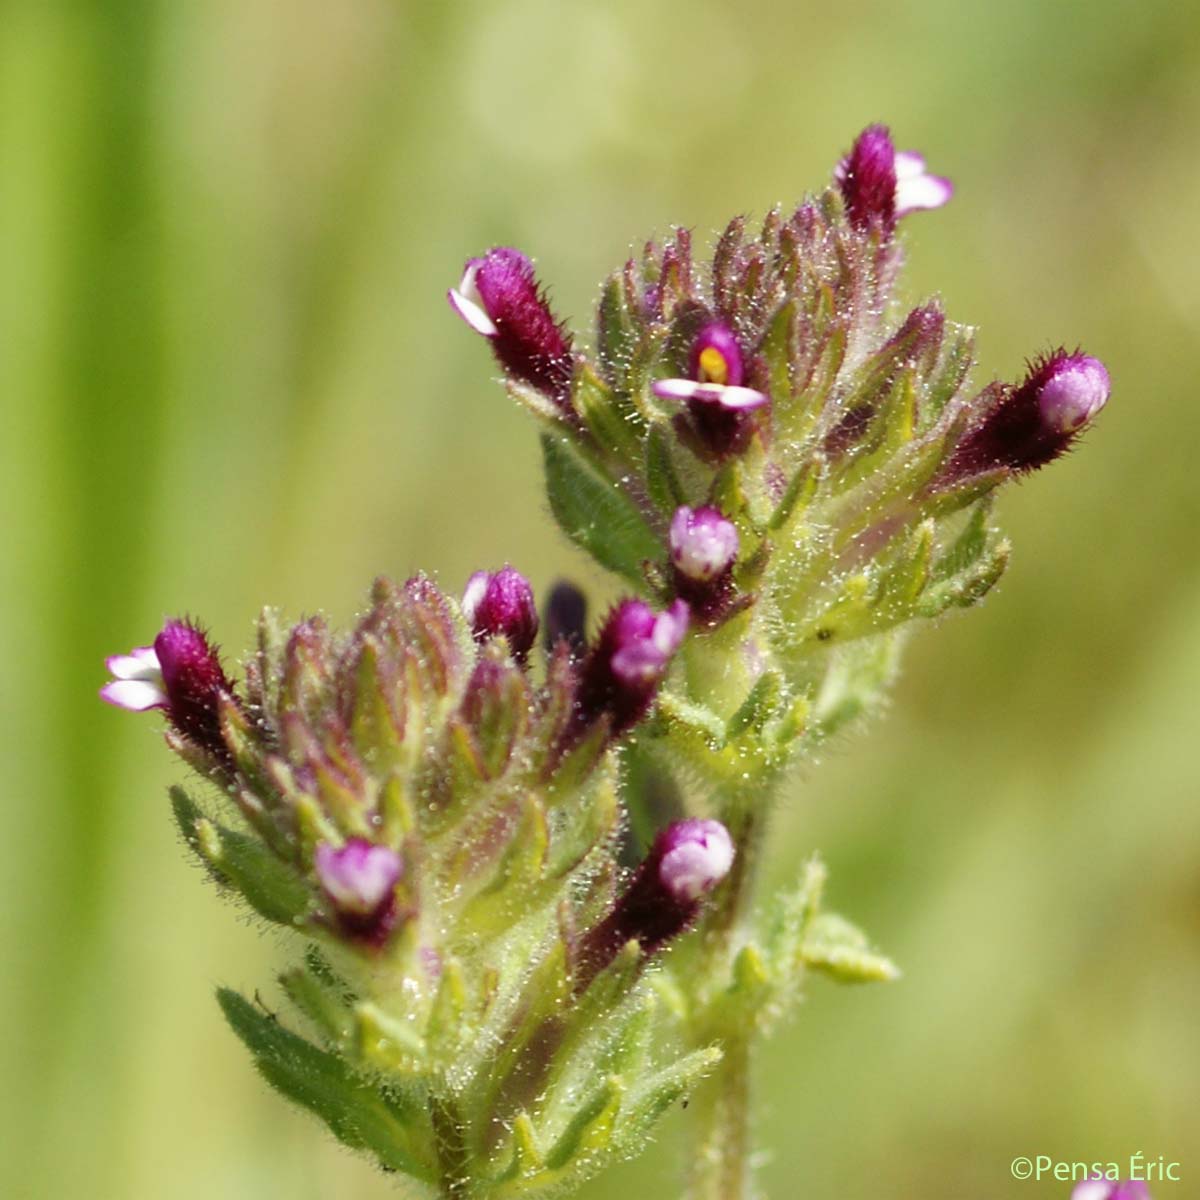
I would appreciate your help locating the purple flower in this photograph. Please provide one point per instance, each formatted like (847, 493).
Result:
(499, 297)
(1103, 1189)
(181, 674)
(360, 880)
(704, 547)
(621, 673)
(880, 185)
(695, 855)
(501, 603)
(704, 544)
(718, 401)
(664, 896)
(1024, 427)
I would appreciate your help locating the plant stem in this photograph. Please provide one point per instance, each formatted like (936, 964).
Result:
(448, 1134)
(719, 1154)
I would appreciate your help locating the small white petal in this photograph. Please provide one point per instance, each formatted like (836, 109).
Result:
(474, 593)
(472, 313)
(139, 663)
(742, 397)
(677, 389)
(922, 192)
(909, 164)
(136, 695)
(670, 628)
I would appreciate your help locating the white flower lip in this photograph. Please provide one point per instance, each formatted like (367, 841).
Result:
(474, 593)
(467, 302)
(916, 189)
(726, 395)
(137, 680)
(134, 695)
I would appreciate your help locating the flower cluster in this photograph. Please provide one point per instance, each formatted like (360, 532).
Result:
(497, 850)
(444, 830)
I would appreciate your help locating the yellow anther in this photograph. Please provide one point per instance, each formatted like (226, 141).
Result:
(713, 367)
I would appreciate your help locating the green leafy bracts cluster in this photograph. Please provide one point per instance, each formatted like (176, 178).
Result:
(847, 529)
(458, 1048)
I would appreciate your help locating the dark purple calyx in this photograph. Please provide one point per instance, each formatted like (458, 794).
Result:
(566, 618)
(1025, 427)
(499, 297)
(501, 604)
(866, 178)
(664, 896)
(193, 681)
(621, 673)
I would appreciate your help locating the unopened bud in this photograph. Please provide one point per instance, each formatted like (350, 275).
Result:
(501, 603)
(664, 897)
(360, 879)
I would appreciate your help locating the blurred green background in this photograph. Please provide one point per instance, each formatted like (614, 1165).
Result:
(229, 376)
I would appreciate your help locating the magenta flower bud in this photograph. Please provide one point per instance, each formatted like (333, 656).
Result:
(566, 618)
(717, 401)
(1022, 428)
(181, 674)
(499, 297)
(359, 880)
(501, 603)
(194, 681)
(1072, 391)
(1110, 1189)
(664, 897)
(704, 544)
(867, 179)
(880, 185)
(621, 673)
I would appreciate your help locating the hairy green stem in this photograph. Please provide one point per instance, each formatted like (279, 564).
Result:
(719, 1153)
(720, 1144)
(448, 1132)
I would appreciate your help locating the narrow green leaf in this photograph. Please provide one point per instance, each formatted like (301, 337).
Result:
(840, 950)
(595, 514)
(359, 1114)
(242, 863)
(662, 480)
